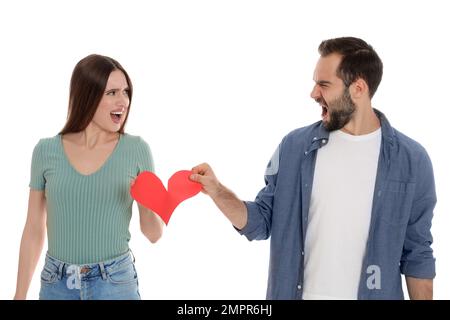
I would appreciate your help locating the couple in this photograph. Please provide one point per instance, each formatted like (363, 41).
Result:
(348, 201)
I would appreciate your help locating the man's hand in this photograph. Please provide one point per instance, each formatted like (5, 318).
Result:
(233, 208)
(204, 175)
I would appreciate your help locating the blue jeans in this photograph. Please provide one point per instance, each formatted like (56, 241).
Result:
(114, 279)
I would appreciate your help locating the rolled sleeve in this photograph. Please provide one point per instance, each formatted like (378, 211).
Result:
(257, 227)
(417, 258)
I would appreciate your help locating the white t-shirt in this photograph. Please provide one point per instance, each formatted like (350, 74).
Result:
(339, 215)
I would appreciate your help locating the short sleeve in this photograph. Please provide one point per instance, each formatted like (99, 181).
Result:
(37, 179)
(144, 157)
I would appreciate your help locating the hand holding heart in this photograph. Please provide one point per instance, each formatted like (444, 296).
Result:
(204, 175)
(230, 205)
(148, 190)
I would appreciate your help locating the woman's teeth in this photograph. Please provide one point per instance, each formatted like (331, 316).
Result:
(116, 115)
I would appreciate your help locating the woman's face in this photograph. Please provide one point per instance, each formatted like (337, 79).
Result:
(113, 107)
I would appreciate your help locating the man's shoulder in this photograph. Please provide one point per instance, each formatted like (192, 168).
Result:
(300, 135)
(409, 153)
(408, 144)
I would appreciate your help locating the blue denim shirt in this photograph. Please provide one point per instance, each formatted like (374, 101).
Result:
(399, 239)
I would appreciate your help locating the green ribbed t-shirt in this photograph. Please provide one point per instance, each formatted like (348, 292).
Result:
(88, 216)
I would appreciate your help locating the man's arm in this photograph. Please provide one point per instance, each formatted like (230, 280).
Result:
(253, 219)
(417, 262)
(231, 206)
(419, 289)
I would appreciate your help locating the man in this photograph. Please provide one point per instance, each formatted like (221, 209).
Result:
(348, 200)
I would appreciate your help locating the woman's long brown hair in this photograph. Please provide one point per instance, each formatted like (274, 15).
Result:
(87, 86)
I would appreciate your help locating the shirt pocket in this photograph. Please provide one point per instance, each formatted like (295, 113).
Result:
(397, 202)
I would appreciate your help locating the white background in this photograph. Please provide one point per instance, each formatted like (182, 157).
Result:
(219, 82)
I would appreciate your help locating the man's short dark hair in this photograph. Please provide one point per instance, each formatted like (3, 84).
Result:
(359, 60)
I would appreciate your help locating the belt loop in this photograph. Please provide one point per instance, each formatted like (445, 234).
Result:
(60, 270)
(102, 269)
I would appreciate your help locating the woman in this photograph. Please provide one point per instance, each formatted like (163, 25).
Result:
(79, 190)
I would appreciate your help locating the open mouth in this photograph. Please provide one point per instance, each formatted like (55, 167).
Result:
(324, 111)
(116, 116)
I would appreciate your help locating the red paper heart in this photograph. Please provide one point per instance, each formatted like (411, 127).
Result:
(150, 192)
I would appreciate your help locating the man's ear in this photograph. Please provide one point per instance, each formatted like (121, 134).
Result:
(359, 89)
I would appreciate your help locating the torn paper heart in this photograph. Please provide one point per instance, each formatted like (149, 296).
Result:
(150, 192)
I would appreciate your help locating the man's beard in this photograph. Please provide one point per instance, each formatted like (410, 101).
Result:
(340, 111)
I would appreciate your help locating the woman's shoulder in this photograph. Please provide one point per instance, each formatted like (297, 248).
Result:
(134, 141)
(137, 146)
(48, 142)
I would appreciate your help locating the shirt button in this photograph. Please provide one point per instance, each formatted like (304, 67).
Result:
(299, 287)
(303, 253)
(306, 152)
(324, 141)
(315, 138)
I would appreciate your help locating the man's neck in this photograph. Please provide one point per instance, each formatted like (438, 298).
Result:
(364, 121)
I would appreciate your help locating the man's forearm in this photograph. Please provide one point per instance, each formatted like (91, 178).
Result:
(231, 206)
(419, 289)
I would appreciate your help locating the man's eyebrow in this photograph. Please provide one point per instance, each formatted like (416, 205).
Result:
(323, 82)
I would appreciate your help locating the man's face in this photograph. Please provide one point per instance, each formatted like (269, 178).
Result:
(331, 94)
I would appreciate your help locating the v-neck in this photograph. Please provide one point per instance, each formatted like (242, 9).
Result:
(105, 163)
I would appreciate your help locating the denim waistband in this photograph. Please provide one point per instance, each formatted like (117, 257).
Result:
(98, 268)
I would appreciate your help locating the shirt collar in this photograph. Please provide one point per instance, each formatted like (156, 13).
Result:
(387, 131)
(320, 135)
